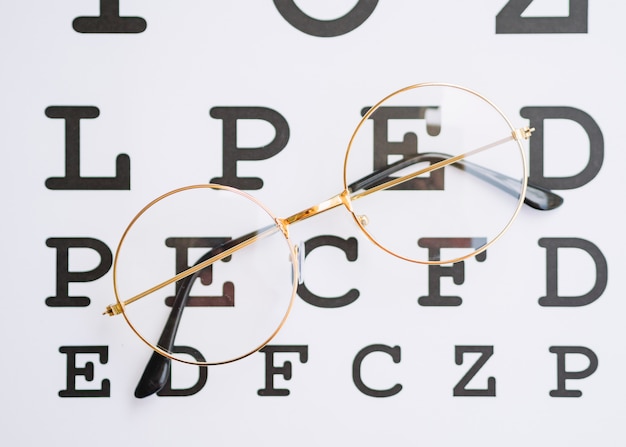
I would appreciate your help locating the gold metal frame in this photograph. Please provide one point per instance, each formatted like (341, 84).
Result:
(516, 135)
(344, 198)
(120, 306)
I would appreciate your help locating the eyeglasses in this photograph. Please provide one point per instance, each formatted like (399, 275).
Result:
(458, 183)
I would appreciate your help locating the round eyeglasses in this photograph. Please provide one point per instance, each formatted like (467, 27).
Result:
(431, 161)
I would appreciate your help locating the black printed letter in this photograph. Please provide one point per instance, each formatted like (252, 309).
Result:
(537, 115)
(86, 371)
(408, 147)
(562, 374)
(349, 247)
(552, 297)
(510, 21)
(394, 353)
(456, 270)
(167, 389)
(325, 28)
(72, 180)
(182, 245)
(232, 153)
(285, 370)
(64, 276)
(109, 21)
(459, 389)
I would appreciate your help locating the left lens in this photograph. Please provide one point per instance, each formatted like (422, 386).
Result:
(225, 311)
(447, 214)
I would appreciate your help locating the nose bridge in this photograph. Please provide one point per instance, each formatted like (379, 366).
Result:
(314, 210)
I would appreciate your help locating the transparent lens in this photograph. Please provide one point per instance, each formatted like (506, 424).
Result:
(226, 310)
(452, 212)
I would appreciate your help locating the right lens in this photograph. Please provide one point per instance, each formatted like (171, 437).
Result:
(225, 311)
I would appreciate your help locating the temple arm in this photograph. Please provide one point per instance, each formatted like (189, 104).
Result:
(157, 370)
(536, 196)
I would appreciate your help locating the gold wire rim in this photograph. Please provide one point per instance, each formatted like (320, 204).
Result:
(292, 255)
(348, 203)
(345, 200)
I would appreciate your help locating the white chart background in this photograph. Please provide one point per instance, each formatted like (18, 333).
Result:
(154, 90)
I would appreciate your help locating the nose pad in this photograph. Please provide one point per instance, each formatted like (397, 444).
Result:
(299, 255)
